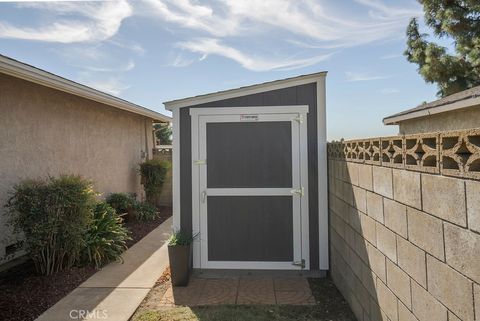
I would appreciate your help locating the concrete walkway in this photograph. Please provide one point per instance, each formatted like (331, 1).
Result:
(115, 292)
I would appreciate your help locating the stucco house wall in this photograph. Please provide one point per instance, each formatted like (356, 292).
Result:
(454, 120)
(49, 132)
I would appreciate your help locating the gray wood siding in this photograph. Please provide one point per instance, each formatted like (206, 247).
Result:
(297, 95)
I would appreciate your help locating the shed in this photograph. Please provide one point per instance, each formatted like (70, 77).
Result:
(455, 112)
(250, 175)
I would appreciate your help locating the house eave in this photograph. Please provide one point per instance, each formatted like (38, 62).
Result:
(243, 91)
(23, 71)
(466, 103)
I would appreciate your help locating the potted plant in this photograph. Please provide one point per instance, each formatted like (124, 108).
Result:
(179, 253)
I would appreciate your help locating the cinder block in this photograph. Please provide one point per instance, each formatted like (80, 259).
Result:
(444, 197)
(425, 306)
(354, 219)
(376, 312)
(399, 282)
(387, 301)
(386, 242)
(362, 295)
(361, 246)
(453, 317)
(383, 181)
(352, 172)
(360, 199)
(412, 260)
(375, 206)
(473, 205)
(395, 215)
(406, 188)
(365, 177)
(376, 262)
(347, 193)
(356, 263)
(404, 314)
(426, 232)
(450, 287)
(462, 249)
(349, 236)
(476, 291)
(369, 281)
(368, 229)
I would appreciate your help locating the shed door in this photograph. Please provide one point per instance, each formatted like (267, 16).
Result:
(250, 191)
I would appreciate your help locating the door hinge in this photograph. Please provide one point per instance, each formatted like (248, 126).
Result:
(200, 162)
(299, 118)
(297, 191)
(300, 263)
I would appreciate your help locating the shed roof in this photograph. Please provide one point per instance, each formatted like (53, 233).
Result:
(243, 91)
(463, 99)
(30, 73)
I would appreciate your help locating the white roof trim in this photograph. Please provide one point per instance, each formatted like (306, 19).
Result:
(243, 91)
(434, 110)
(20, 70)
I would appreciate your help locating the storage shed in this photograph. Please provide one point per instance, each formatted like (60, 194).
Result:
(250, 175)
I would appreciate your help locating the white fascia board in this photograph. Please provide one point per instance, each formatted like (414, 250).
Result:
(244, 91)
(23, 71)
(434, 110)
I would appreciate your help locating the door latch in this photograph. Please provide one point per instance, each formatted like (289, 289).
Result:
(300, 263)
(204, 196)
(200, 162)
(299, 191)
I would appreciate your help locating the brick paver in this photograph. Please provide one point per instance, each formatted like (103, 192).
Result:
(295, 291)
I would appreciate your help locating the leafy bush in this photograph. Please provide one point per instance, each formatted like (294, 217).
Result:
(153, 173)
(53, 215)
(105, 239)
(121, 202)
(180, 238)
(145, 211)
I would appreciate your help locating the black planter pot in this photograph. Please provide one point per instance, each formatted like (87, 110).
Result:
(179, 256)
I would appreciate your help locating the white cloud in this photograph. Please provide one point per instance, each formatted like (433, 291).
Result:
(311, 19)
(110, 84)
(180, 61)
(363, 76)
(390, 91)
(74, 22)
(208, 46)
(390, 56)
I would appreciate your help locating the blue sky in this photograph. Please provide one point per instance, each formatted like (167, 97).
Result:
(150, 51)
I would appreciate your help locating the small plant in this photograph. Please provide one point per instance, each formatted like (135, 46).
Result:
(121, 202)
(145, 211)
(153, 173)
(53, 215)
(180, 238)
(106, 238)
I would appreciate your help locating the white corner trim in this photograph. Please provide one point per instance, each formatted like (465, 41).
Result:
(244, 91)
(322, 176)
(466, 103)
(176, 170)
(23, 71)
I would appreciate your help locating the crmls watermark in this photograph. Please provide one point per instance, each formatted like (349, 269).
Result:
(87, 314)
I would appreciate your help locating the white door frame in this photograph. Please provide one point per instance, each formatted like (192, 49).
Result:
(296, 114)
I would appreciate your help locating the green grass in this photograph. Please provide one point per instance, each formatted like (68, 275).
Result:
(330, 307)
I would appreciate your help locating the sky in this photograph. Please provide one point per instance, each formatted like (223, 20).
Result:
(151, 51)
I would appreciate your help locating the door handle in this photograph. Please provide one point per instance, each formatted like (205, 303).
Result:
(204, 196)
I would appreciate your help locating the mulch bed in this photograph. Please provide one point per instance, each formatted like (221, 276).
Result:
(24, 295)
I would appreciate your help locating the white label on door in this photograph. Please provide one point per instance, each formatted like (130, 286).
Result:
(248, 117)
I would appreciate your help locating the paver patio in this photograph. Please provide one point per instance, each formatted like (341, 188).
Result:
(200, 291)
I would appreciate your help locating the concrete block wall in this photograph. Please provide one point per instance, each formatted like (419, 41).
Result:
(404, 243)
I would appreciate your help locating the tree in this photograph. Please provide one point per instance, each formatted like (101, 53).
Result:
(458, 20)
(163, 132)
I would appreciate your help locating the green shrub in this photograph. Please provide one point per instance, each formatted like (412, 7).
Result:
(53, 215)
(153, 173)
(145, 211)
(180, 238)
(121, 202)
(105, 239)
